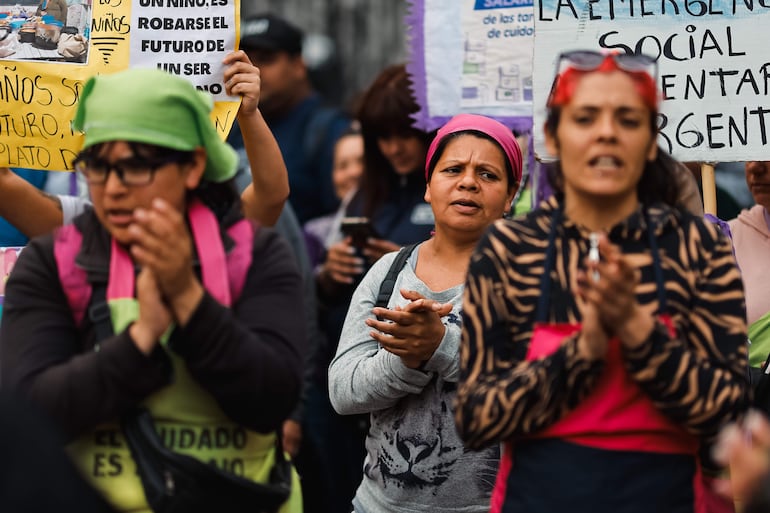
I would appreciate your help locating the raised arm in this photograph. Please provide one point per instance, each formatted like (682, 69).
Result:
(30, 210)
(264, 197)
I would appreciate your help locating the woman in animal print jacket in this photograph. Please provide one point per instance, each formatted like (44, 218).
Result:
(604, 369)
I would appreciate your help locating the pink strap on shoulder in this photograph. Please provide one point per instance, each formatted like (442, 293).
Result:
(239, 258)
(121, 281)
(211, 252)
(73, 279)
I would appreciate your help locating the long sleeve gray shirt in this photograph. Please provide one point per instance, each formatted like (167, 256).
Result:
(415, 459)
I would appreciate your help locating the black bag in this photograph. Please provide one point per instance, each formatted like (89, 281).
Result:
(759, 378)
(176, 483)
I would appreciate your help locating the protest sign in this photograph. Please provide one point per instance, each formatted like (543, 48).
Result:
(42, 76)
(713, 73)
(471, 56)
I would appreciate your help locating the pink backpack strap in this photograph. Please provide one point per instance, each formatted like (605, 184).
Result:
(121, 281)
(239, 258)
(211, 252)
(74, 281)
(223, 275)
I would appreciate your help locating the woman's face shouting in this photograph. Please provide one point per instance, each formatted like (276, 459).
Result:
(603, 138)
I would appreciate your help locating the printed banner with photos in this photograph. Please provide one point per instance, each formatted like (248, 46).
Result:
(45, 61)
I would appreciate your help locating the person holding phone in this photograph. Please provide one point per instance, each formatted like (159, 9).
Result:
(399, 363)
(390, 194)
(391, 188)
(359, 229)
(609, 387)
(320, 233)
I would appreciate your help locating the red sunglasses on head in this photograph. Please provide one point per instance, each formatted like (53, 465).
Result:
(591, 60)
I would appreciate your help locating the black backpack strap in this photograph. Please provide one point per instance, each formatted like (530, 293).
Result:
(386, 287)
(99, 313)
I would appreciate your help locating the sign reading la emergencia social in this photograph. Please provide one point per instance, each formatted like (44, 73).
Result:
(472, 56)
(714, 67)
(44, 67)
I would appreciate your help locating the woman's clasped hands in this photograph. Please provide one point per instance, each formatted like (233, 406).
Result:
(167, 289)
(413, 331)
(606, 296)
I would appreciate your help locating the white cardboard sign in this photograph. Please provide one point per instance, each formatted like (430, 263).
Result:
(714, 67)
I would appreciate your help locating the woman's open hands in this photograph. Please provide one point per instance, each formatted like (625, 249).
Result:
(412, 332)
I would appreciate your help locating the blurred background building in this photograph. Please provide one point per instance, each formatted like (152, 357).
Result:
(347, 41)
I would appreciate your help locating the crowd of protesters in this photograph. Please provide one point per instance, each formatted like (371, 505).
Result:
(599, 351)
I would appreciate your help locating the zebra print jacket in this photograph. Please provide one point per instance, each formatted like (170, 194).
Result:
(697, 378)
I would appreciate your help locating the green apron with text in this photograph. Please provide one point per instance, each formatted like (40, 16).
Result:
(187, 417)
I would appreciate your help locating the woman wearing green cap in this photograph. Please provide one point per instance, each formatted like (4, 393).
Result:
(200, 309)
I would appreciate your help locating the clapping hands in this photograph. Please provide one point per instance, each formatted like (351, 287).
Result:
(412, 332)
(167, 287)
(606, 296)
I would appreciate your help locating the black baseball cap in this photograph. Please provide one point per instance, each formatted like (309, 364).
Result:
(269, 32)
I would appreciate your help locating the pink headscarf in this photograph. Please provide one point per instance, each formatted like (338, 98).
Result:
(494, 129)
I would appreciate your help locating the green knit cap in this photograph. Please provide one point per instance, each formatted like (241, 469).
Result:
(153, 107)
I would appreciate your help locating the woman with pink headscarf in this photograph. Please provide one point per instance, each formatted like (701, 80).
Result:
(400, 363)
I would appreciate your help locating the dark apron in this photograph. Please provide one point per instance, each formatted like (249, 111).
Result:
(617, 415)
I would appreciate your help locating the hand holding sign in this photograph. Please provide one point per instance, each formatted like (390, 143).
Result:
(242, 79)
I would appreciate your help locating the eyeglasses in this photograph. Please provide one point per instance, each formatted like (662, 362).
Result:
(591, 60)
(134, 171)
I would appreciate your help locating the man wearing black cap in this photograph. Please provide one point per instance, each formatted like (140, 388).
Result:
(306, 130)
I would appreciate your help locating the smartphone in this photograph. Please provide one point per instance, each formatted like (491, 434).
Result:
(359, 228)
(593, 254)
